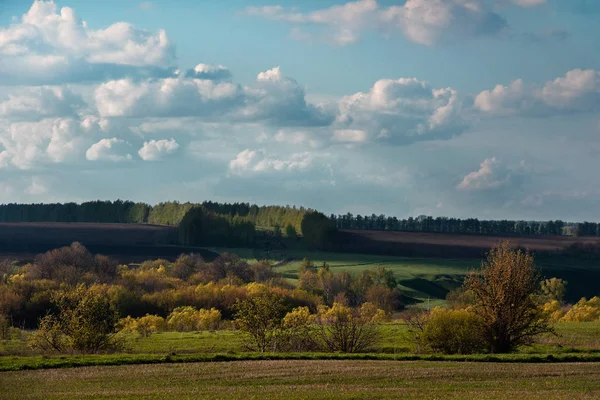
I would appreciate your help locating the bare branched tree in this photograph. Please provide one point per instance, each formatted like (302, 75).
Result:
(505, 290)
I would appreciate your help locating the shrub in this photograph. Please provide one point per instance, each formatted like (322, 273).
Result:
(554, 289)
(187, 319)
(260, 317)
(145, 325)
(299, 331)
(584, 311)
(85, 321)
(347, 330)
(454, 332)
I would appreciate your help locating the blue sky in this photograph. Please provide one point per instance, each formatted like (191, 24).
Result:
(486, 108)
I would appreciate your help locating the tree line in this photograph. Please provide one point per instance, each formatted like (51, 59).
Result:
(165, 213)
(468, 226)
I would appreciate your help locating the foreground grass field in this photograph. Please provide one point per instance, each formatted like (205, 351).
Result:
(302, 379)
(573, 342)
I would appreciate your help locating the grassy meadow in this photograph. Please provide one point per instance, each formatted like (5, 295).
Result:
(304, 379)
(572, 342)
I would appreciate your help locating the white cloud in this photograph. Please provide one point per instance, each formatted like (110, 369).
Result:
(491, 175)
(41, 102)
(577, 91)
(29, 144)
(505, 100)
(211, 72)
(349, 135)
(170, 97)
(280, 101)
(258, 161)
(422, 21)
(114, 150)
(157, 149)
(403, 111)
(51, 45)
(273, 99)
(295, 138)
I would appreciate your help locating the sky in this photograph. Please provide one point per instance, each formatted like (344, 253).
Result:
(459, 108)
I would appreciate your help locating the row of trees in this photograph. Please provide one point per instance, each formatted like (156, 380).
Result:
(201, 226)
(165, 213)
(93, 211)
(456, 225)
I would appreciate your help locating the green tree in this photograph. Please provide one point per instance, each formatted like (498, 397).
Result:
(86, 321)
(554, 289)
(261, 318)
(290, 231)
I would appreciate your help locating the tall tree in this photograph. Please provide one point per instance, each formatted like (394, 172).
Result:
(505, 290)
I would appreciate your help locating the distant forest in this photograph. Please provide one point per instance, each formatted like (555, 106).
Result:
(284, 218)
(466, 226)
(201, 224)
(167, 213)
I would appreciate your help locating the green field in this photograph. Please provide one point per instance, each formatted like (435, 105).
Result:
(574, 341)
(309, 379)
(430, 278)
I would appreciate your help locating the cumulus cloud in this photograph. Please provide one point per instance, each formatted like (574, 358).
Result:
(281, 101)
(422, 21)
(28, 144)
(258, 161)
(41, 102)
(402, 111)
(114, 150)
(293, 138)
(273, 99)
(157, 149)
(50, 45)
(210, 72)
(170, 97)
(492, 174)
(577, 91)
(349, 135)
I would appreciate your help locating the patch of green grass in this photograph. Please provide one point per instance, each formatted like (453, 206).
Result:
(576, 342)
(303, 379)
(186, 342)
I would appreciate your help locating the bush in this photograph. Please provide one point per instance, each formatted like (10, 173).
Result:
(299, 331)
(348, 330)
(553, 310)
(584, 311)
(187, 319)
(86, 321)
(554, 289)
(145, 325)
(260, 317)
(453, 332)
